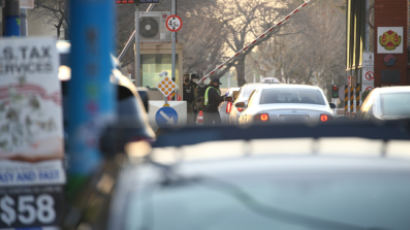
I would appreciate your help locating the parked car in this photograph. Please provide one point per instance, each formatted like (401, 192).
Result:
(285, 103)
(387, 103)
(243, 97)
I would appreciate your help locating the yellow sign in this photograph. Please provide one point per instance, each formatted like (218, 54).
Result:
(390, 40)
(166, 86)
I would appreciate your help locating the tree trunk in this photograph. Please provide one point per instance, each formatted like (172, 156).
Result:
(240, 71)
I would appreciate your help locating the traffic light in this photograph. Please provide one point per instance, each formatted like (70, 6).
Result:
(335, 91)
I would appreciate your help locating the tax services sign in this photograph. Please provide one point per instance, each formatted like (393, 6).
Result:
(31, 134)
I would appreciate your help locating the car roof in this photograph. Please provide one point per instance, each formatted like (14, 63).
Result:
(253, 84)
(327, 147)
(392, 89)
(289, 86)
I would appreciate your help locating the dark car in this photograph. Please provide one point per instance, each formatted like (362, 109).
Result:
(131, 108)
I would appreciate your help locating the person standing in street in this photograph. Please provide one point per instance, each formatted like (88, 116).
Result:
(188, 96)
(212, 99)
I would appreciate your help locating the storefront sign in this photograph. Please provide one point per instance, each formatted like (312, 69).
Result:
(31, 134)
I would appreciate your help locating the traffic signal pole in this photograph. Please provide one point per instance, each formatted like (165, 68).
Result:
(173, 38)
(91, 103)
(11, 18)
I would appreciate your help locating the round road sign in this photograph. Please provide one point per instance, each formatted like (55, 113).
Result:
(173, 23)
(166, 116)
(369, 75)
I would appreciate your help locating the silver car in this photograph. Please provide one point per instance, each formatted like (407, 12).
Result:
(387, 103)
(286, 103)
(243, 97)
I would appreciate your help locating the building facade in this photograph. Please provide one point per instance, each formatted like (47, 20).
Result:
(378, 42)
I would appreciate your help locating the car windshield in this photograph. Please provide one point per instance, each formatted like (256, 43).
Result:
(291, 95)
(395, 104)
(347, 200)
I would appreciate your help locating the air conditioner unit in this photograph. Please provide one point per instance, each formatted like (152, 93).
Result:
(152, 27)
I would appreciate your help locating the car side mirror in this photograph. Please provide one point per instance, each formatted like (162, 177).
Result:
(332, 105)
(143, 93)
(235, 94)
(240, 104)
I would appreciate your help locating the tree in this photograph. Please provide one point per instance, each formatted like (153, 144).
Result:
(309, 49)
(243, 21)
(56, 13)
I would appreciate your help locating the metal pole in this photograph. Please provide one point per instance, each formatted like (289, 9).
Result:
(138, 77)
(367, 27)
(11, 18)
(173, 37)
(91, 103)
(23, 19)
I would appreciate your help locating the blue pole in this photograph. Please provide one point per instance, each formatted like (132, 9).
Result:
(11, 18)
(91, 101)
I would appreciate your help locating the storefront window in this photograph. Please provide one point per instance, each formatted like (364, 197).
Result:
(154, 64)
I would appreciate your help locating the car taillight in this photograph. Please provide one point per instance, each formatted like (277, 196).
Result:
(324, 117)
(228, 107)
(263, 117)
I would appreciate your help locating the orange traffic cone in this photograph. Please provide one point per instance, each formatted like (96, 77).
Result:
(200, 117)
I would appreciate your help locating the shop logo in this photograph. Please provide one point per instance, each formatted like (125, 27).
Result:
(390, 40)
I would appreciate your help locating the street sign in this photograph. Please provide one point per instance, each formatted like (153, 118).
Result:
(173, 23)
(32, 175)
(166, 116)
(26, 4)
(179, 106)
(367, 78)
(369, 75)
(368, 59)
(166, 86)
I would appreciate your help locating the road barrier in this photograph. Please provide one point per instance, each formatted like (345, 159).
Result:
(269, 32)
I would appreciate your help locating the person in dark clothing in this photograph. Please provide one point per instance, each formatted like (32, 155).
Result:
(188, 88)
(212, 99)
(188, 96)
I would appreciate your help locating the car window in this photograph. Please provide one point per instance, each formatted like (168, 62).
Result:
(395, 104)
(304, 96)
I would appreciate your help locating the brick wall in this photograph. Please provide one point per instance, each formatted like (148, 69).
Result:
(391, 13)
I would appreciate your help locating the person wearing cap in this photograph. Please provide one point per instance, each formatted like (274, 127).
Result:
(212, 99)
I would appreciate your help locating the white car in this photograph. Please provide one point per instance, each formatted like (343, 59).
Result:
(243, 97)
(387, 103)
(286, 103)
